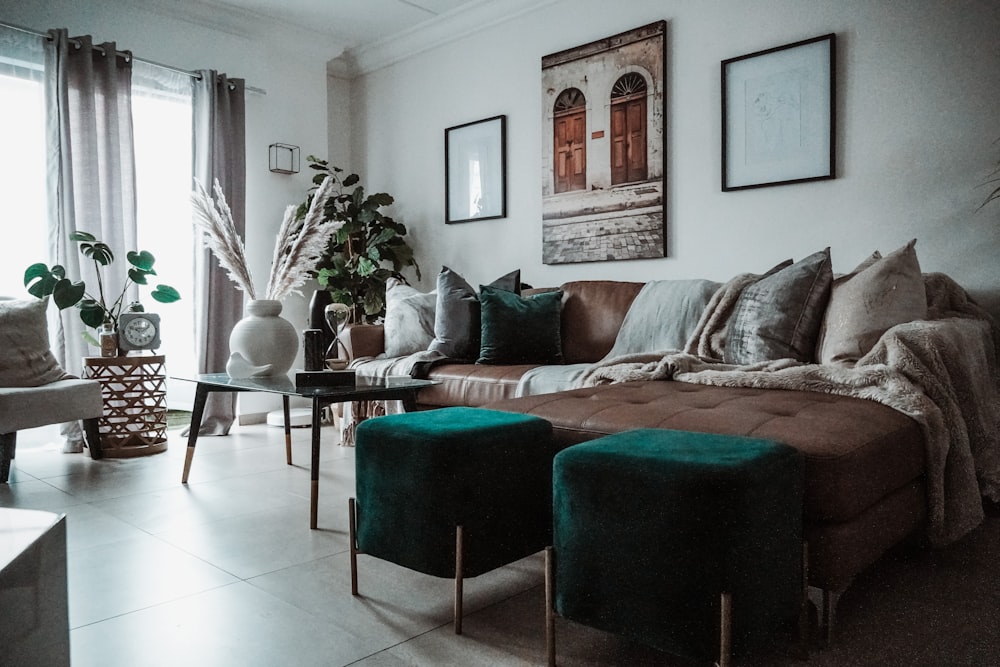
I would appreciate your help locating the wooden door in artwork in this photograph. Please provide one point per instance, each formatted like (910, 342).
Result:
(628, 130)
(570, 147)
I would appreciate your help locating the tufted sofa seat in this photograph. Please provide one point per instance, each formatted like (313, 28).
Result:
(863, 461)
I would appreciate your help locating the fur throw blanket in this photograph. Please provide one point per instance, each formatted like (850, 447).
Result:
(941, 372)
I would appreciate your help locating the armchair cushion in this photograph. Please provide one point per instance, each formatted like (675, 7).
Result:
(24, 339)
(53, 403)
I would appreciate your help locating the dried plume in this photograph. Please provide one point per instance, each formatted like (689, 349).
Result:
(299, 245)
(220, 236)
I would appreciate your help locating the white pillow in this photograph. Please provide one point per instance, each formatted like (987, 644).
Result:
(409, 319)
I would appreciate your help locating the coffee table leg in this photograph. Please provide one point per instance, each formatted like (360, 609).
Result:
(288, 429)
(200, 397)
(317, 409)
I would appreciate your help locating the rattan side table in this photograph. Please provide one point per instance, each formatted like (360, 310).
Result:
(134, 391)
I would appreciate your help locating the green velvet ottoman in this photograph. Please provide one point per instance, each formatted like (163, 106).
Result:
(453, 492)
(688, 542)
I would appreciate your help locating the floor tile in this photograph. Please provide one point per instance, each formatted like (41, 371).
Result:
(132, 574)
(236, 625)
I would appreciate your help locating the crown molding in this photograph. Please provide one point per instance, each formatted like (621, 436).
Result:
(240, 22)
(448, 27)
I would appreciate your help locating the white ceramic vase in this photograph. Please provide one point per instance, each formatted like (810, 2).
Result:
(265, 342)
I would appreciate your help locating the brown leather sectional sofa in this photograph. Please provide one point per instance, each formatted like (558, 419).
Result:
(864, 461)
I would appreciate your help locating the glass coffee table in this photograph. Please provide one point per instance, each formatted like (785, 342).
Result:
(365, 389)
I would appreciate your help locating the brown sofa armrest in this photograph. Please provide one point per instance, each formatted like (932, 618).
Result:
(363, 340)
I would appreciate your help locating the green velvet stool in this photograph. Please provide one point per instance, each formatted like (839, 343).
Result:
(687, 542)
(454, 492)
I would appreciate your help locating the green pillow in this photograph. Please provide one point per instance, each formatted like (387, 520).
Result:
(520, 330)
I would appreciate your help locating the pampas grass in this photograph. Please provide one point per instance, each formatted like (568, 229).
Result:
(297, 247)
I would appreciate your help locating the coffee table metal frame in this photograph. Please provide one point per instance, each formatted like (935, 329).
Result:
(365, 389)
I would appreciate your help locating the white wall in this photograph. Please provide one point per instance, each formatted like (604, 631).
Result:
(918, 84)
(293, 111)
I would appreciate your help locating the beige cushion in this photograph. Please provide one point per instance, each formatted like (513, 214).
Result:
(865, 304)
(26, 360)
(409, 319)
(54, 403)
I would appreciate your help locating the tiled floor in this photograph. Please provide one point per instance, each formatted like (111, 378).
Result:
(225, 572)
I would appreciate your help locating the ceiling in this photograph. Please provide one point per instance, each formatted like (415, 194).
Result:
(350, 23)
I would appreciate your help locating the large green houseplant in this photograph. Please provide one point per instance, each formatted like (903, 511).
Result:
(96, 307)
(366, 251)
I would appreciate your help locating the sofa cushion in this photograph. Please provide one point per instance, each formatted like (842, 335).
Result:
(856, 451)
(409, 319)
(27, 360)
(592, 315)
(471, 385)
(520, 330)
(779, 316)
(865, 304)
(457, 313)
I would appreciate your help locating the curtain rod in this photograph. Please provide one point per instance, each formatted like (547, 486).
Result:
(126, 54)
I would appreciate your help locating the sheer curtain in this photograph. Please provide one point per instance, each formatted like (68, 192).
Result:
(91, 173)
(219, 154)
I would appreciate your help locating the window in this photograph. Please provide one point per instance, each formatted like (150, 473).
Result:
(161, 118)
(23, 203)
(161, 121)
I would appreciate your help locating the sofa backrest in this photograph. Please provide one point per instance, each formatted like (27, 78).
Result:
(592, 314)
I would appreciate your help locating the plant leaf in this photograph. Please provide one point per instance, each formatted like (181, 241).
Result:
(165, 294)
(66, 293)
(92, 313)
(99, 252)
(138, 276)
(142, 259)
(351, 180)
(82, 236)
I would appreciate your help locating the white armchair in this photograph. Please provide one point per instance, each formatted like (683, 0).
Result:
(34, 389)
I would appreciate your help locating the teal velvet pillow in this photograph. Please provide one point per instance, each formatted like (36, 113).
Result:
(520, 330)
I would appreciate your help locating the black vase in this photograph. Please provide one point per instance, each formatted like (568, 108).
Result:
(317, 308)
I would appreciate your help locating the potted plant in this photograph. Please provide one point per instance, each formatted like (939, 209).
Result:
(96, 310)
(365, 252)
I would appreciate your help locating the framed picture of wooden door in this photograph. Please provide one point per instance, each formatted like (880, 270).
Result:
(603, 167)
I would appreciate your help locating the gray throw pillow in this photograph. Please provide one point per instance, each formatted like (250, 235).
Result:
(409, 319)
(457, 313)
(779, 316)
(27, 360)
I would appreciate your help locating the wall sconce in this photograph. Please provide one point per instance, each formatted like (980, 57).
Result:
(283, 158)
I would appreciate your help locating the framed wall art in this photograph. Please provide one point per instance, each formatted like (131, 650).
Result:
(476, 170)
(778, 115)
(603, 166)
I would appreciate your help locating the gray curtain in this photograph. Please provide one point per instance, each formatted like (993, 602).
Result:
(91, 174)
(219, 154)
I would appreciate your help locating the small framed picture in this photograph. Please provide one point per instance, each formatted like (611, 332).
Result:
(475, 172)
(778, 115)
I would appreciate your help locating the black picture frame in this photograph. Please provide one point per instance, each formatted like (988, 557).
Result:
(779, 115)
(475, 157)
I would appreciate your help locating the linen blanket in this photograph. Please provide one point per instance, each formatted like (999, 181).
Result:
(941, 372)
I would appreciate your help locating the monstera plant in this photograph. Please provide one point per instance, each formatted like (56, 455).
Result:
(364, 253)
(95, 306)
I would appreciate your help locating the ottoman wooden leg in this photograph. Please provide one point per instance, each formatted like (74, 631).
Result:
(353, 538)
(725, 629)
(550, 614)
(458, 580)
